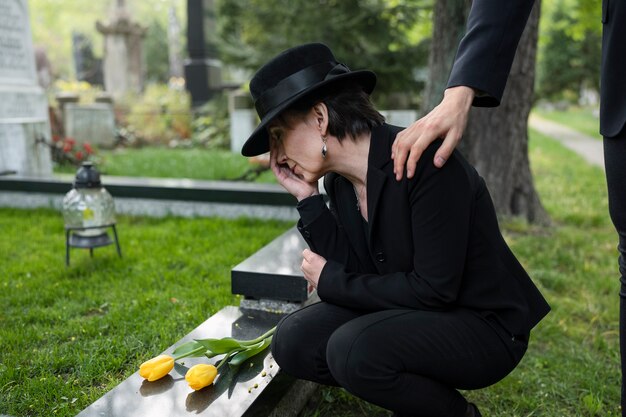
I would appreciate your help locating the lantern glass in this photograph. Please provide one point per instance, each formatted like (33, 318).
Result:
(88, 207)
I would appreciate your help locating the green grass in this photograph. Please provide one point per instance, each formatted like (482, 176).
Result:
(200, 164)
(577, 118)
(69, 335)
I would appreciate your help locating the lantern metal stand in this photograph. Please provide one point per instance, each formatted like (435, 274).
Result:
(73, 240)
(88, 210)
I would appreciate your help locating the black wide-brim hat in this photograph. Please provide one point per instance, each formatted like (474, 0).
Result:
(293, 75)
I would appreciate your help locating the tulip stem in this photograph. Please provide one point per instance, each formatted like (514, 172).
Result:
(224, 359)
(199, 349)
(245, 343)
(260, 338)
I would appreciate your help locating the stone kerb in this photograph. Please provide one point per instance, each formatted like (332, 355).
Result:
(159, 197)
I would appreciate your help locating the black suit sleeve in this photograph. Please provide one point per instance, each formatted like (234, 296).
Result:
(486, 52)
(322, 231)
(441, 206)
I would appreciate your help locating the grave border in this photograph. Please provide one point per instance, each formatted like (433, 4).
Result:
(162, 189)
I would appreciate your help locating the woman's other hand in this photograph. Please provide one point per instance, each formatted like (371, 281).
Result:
(295, 185)
(312, 265)
(448, 120)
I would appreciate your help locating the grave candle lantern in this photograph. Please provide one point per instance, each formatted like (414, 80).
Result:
(88, 211)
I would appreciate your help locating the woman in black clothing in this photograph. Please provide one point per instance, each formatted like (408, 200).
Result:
(420, 294)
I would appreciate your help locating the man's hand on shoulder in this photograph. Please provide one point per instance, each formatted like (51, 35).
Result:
(448, 120)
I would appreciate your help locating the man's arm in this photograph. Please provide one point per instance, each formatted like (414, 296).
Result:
(478, 77)
(486, 52)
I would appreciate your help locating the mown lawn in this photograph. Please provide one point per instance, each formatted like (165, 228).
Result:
(68, 336)
(161, 162)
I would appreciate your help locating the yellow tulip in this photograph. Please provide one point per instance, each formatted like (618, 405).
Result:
(156, 368)
(201, 375)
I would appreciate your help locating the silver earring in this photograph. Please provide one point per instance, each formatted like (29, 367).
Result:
(324, 148)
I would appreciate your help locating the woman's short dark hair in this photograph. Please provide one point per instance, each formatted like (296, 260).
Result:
(350, 111)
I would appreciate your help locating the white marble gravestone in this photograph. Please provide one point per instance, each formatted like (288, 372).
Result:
(243, 119)
(23, 104)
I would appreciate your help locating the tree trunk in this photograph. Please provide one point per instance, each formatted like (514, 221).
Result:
(449, 17)
(496, 139)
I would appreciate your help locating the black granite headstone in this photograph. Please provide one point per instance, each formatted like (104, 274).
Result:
(274, 271)
(251, 390)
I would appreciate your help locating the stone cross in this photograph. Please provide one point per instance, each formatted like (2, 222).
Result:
(123, 59)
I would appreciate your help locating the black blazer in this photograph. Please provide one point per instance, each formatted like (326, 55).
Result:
(613, 72)
(494, 28)
(433, 242)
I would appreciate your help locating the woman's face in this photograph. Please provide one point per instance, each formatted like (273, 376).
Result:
(298, 144)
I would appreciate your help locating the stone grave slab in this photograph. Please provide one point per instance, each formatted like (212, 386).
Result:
(274, 271)
(92, 123)
(255, 389)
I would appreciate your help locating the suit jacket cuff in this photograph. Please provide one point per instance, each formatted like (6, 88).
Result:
(483, 98)
(326, 289)
(310, 209)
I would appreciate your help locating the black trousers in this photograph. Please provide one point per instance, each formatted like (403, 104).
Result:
(615, 164)
(408, 361)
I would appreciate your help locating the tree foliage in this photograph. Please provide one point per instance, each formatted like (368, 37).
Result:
(53, 21)
(570, 48)
(389, 36)
(384, 36)
(52, 24)
(156, 52)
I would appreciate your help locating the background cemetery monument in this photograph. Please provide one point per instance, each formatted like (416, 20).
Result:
(203, 74)
(23, 105)
(123, 58)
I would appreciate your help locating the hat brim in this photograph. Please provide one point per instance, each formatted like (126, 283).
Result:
(258, 142)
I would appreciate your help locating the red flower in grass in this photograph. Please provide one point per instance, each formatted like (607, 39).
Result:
(88, 148)
(71, 141)
(79, 155)
(67, 146)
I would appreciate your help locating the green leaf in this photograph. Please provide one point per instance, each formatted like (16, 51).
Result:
(186, 349)
(210, 354)
(249, 352)
(219, 346)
